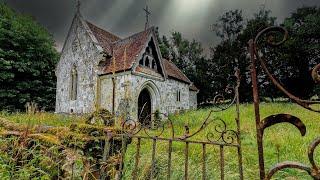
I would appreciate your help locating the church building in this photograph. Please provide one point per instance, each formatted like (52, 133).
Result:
(98, 69)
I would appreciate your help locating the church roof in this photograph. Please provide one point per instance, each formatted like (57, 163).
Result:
(133, 45)
(115, 46)
(174, 72)
(193, 88)
(104, 37)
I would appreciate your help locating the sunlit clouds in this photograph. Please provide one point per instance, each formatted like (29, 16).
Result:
(124, 17)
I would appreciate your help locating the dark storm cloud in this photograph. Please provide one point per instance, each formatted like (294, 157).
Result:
(123, 17)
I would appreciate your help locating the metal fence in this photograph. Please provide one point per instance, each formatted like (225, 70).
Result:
(164, 132)
(268, 37)
(223, 137)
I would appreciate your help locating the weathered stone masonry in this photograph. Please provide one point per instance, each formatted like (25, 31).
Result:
(98, 56)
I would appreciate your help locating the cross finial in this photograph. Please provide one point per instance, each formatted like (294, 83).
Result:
(148, 13)
(78, 5)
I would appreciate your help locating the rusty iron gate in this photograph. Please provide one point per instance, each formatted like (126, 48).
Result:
(270, 36)
(223, 137)
(135, 134)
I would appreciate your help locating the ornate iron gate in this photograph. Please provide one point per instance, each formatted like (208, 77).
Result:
(268, 36)
(165, 132)
(223, 137)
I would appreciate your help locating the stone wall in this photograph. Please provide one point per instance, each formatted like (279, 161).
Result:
(81, 52)
(163, 93)
(193, 100)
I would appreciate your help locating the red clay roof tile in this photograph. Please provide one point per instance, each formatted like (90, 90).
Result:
(133, 45)
(174, 72)
(114, 45)
(104, 38)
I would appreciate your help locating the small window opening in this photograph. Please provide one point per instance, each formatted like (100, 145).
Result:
(74, 84)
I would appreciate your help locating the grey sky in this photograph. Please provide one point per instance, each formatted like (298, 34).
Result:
(124, 17)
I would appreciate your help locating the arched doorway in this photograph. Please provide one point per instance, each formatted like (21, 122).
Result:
(144, 107)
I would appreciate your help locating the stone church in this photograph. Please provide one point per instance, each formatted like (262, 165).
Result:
(98, 69)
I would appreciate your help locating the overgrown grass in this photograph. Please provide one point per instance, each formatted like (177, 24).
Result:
(285, 138)
(43, 118)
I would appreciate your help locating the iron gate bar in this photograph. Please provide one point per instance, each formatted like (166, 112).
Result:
(313, 171)
(154, 146)
(169, 158)
(219, 137)
(134, 173)
(256, 102)
(203, 161)
(186, 161)
(237, 99)
(222, 162)
(189, 141)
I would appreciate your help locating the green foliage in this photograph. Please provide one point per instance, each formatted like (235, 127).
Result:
(47, 161)
(27, 62)
(48, 146)
(187, 56)
(287, 138)
(301, 52)
(291, 63)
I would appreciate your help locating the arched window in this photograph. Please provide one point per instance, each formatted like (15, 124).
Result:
(154, 65)
(147, 62)
(74, 84)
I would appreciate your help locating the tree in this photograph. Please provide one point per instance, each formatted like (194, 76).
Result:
(290, 63)
(302, 50)
(188, 56)
(27, 62)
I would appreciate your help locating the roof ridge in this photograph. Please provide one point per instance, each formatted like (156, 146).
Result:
(133, 35)
(103, 29)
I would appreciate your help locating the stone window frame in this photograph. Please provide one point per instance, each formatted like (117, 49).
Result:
(148, 60)
(73, 83)
(178, 96)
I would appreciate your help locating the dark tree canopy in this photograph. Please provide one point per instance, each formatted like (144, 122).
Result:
(27, 62)
(291, 63)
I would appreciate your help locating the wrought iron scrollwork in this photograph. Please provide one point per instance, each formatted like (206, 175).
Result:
(255, 53)
(313, 171)
(271, 41)
(221, 132)
(219, 101)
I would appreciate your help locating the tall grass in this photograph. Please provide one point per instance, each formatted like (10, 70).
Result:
(43, 118)
(281, 142)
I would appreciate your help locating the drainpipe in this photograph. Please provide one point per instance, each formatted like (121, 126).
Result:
(113, 95)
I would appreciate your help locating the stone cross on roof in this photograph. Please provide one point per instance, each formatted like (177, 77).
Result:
(148, 13)
(78, 5)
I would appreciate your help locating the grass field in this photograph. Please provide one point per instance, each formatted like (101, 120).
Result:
(284, 138)
(281, 141)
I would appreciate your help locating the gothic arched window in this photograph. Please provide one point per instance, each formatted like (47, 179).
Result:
(154, 65)
(147, 61)
(141, 62)
(74, 84)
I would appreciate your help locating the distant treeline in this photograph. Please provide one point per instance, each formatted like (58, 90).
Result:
(28, 57)
(291, 63)
(27, 62)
